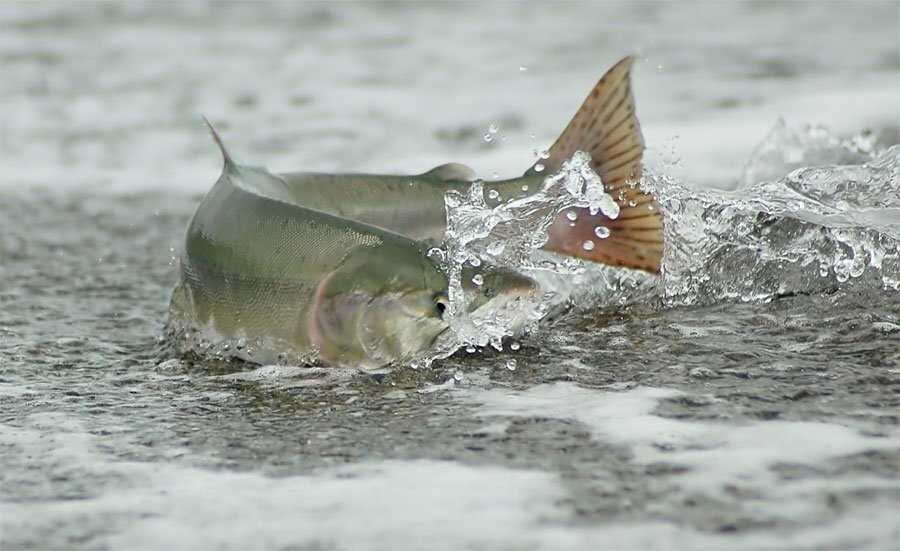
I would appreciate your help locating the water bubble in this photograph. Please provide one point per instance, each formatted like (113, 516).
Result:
(436, 253)
(488, 137)
(602, 232)
(539, 167)
(493, 128)
(544, 154)
(511, 364)
(515, 346)
(478, 279)
(588, 245)
(475, 261)
(493, 194)
(572, 215)
(458, 376)
(470, 349)
(525, 188)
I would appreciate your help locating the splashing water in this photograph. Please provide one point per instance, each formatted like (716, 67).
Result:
(816, 229)
(802, 229)
(510, 235)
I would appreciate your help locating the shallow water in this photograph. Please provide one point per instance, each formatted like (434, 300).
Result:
(722, 415)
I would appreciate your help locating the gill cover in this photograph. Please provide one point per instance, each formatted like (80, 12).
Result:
(381, 304)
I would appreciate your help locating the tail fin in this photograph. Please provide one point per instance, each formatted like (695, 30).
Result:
(229, 163)
(607, 128)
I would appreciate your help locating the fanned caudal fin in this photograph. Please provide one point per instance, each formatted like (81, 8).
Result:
(607, 128)
(229, 162)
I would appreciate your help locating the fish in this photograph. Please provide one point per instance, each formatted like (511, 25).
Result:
(336, 267)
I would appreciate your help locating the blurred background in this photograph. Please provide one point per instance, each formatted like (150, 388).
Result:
(110, 94)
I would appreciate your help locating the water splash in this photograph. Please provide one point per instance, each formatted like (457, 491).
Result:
(815, 229)
(510, 234)
(786, 148)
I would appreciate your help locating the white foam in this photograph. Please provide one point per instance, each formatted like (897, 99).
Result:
(719, 456)
(386, 505)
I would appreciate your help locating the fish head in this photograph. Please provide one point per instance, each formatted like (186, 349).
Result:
(383, 304)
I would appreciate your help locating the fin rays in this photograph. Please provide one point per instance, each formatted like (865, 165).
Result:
(606, 127)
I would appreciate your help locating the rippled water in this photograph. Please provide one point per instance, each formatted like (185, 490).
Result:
(749, 401)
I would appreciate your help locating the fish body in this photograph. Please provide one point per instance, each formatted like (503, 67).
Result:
(336, 266)
(411, 205)
(257, 265)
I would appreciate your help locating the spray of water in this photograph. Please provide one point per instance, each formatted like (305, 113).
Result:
(800, 230)
(510, 234)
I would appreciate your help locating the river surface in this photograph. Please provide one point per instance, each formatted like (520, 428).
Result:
(748, 401)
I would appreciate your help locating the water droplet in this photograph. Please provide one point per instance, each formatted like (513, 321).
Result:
(478, 279)
(493, 194)
(493, 128)
(522, 68)
(539, 167)
(588, 245)
(532, 135)
(515, 346)
(572, 215)
(511, 364)
(488, 137)
(544, 154)
(602, 232)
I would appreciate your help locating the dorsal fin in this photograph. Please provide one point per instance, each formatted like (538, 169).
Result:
(606, 127)
(229, 163)
(451, 172)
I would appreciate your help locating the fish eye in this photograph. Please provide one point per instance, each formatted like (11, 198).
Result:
(441, 304)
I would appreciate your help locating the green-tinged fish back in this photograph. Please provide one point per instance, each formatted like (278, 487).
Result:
(253, 259)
